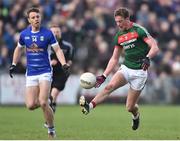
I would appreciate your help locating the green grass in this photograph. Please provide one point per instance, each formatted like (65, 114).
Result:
(106, 122)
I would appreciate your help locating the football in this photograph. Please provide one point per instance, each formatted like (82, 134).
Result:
(87, 80)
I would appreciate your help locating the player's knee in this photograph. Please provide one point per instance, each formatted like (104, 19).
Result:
(43, 104)
(31, 106)
(109, 87)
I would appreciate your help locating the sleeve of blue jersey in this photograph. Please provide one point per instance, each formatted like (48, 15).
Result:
(21, 39)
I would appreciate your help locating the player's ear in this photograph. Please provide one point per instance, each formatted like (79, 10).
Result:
(28, 20)
(127, 19)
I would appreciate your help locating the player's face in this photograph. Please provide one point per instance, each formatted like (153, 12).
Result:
(121, 22)
(34, 19)
(56, 31)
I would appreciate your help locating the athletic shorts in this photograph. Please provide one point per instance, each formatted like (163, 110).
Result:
(36, 79)
(59, 81)
(136, 78)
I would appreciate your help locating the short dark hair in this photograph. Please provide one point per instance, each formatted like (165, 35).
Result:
(123, 12)
(32, 9)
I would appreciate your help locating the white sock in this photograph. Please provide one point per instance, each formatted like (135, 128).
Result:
(135, 117)
(90, 106)
(51, 129)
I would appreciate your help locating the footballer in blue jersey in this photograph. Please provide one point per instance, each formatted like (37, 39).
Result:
(37, 44)
(36, 40)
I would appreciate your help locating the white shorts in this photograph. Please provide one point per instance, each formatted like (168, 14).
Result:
(36, 79)
(136, 78)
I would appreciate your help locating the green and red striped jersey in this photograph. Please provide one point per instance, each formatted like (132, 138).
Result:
(132, 41)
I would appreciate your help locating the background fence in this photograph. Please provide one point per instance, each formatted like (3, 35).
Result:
(12, 92)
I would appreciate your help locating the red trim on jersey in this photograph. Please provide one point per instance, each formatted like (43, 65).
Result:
(127, 36)
(117, 46)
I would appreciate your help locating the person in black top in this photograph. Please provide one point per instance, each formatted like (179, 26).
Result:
(59, 77)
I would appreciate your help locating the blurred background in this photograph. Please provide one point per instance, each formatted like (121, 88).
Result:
(89, 25)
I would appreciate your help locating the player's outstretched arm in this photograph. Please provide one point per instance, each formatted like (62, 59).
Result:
(113, 61)
(111, 65)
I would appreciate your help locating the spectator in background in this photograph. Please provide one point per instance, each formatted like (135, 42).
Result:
(164, 85)
(3, 56)
(59, 77)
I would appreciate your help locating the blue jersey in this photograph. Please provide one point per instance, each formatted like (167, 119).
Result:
(37, 43)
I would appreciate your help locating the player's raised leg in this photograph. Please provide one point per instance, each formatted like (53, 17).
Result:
(117, 81)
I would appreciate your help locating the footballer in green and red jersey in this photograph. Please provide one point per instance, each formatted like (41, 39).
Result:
(139, 48)
(135, 48)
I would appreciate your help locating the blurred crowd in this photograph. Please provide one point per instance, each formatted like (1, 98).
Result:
(89, 25)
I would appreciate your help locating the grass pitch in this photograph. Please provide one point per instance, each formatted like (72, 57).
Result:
(106, 122)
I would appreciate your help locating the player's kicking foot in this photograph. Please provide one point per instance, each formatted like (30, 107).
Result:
(51, 133)
(84, 105)
(135, 122)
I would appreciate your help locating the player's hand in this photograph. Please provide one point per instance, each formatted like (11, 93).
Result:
(11, 70)
(145, 63)
(99, 80)
(66, 69)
